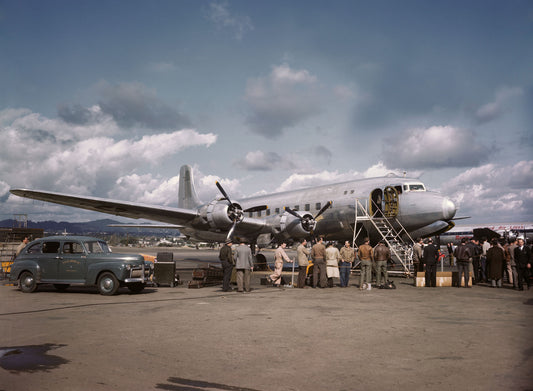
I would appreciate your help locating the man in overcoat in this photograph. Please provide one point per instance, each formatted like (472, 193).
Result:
(430, 257)
(245, 265)
(522, 258)
(227, 261)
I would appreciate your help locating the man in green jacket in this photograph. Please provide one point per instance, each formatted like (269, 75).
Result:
(227, 262)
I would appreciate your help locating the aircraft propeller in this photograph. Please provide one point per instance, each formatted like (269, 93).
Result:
(309, 222)
(235, 211)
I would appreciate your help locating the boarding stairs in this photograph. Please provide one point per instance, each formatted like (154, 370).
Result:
(391, 231)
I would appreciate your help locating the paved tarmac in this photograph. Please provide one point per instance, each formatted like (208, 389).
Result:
(269, 339)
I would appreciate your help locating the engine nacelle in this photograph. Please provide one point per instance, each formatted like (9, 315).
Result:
(293, 227)
(220, 215)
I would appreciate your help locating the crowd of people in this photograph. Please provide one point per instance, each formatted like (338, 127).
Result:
(324, 263)
(492, 262)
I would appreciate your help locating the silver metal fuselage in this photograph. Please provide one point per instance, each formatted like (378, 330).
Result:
(421, 212)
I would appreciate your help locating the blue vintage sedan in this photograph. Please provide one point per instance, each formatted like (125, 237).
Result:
(66, 260)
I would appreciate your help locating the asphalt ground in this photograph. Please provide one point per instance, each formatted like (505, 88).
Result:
(269, 339)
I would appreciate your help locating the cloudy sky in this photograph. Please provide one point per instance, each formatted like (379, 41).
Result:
(110, 98)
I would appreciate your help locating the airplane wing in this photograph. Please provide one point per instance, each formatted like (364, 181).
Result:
(176, 217)
(119, 208)
(163, 226)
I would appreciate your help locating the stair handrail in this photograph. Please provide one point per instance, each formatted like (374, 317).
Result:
(406, 263)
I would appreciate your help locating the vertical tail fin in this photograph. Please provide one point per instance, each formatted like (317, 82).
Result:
(187, 197)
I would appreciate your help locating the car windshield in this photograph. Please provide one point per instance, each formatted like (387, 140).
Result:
(96, 247)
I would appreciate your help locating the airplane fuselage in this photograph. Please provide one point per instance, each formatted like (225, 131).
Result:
(417, 208)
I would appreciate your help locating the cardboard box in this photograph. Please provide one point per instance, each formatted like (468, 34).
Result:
(443, 279)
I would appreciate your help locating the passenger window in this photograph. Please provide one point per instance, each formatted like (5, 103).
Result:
(50, 247)
(93, 247)
(352, 191)
(72, 248)
(345, 192)
(296, 207)
(277, 210)
(399, 188)
(268, 212)
(318, 206)
(258, 213)
(307, 207)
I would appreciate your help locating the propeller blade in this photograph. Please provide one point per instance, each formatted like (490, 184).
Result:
(223, 192)
(256, 208)
(230, 232)
(324, 208)
(292, 212)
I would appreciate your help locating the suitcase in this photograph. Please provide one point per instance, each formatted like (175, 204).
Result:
(165, 273)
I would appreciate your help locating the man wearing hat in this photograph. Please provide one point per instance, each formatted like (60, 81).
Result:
(227, 261)
(430, 258)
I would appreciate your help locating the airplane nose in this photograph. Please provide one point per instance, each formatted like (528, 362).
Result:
(448, 209)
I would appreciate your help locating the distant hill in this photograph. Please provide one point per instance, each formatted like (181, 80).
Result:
(89, 227)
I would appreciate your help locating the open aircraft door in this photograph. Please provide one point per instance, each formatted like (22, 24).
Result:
(391, 199)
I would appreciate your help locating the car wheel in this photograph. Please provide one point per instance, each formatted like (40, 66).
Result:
(27, 282)
(136, 288)
(108, 284)
(61, 287)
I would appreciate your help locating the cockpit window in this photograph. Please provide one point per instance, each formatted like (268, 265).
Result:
(417, 187)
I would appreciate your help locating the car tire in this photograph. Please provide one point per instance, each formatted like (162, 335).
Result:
(27, 283)
(61, 287)
(107, 284)
(136, 287)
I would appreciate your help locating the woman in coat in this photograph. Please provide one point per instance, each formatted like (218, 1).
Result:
(332, 263)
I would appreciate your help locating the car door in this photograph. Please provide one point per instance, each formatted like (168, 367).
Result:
(72, 262)
(48, 260)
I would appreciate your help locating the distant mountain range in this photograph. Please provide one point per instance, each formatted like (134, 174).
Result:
(89, 227)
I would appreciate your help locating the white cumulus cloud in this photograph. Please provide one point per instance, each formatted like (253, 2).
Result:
(51, 154)
(494, 192)
(435, 147)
